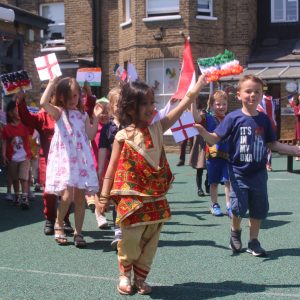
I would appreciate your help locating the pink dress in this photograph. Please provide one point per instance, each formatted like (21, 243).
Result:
(297, 124)
(70, 161)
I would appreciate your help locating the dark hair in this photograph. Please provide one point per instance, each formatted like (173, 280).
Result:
(296, 99)
(63, 92)
(131, 97)
(11, 105)
(252, 78)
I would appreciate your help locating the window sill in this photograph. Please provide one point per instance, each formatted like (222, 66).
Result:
(49, 49)
(206, 18)
(127, 23)
(162, 18)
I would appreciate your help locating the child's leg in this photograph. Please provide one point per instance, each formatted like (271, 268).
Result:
(63, 207)
(227, 193)
(214, 193)
(199, 182)
(79, 209)
(254, 226)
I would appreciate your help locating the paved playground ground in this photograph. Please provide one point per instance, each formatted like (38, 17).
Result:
(193, 259)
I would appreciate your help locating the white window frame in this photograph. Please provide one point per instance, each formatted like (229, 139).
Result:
(126, 13)
(166, 96)
(56, 44)
(162, 13)
(205, 14)
(284, 12)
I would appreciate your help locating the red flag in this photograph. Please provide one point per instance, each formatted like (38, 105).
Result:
(187, 77)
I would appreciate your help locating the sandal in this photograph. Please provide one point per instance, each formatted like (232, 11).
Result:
(142, 287)
(60, 238)
(124, 287)
(79, 241)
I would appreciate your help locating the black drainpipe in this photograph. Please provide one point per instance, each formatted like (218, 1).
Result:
(96, 19)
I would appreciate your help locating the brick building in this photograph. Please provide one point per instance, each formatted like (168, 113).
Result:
(20, 42)
(151, 35)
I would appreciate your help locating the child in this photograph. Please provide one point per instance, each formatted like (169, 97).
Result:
(44, 124)
(217, 155)
(297, 120)
(249, 133)
(16, 153)
(70, 170)
(138, 178)
(109, 129)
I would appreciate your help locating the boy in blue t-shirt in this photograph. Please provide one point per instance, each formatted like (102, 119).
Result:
(249, 134)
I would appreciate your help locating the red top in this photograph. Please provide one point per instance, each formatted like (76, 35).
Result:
(11, 131)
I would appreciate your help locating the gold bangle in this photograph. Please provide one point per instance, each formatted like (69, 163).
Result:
(104, 195)
(103, 202)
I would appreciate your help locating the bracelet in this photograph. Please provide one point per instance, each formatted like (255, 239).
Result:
(104, 196)
(109, 178)
(102, 202)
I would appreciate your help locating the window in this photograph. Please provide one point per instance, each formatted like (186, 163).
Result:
(205, 8)
(126, 13)
(284, 11)
(162, 8)
(55, 35)
(162, 76)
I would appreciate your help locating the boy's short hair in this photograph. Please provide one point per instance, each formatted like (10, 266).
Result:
(252, 78)
(217, 95)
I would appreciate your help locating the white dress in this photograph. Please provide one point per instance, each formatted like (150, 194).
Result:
(70, 162)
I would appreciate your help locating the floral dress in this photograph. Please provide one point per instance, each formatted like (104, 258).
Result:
(70, 162)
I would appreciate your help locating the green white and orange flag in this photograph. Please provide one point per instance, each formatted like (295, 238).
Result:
(223, 64)
(91, 75)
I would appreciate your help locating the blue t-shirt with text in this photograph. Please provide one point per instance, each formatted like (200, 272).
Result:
(247, 138)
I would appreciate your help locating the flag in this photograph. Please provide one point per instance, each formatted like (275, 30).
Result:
(267, 106)
(47, 66)
(131, 72)
(223, 64)
(120, 73)
(291, 100)
(91, 75)
(184, 127)
(187, 77)
(15, 81)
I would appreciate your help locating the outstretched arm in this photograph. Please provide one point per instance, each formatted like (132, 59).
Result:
(284, 148)
(191, 96)
(210, 138)
(51, 109)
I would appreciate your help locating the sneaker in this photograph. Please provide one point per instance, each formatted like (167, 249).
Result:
(16, 199)
(235, 241)
(49, 227)
(101, 221)
(201, 193)
(24, 203)
(9, 197)
(68, 227)
(215, 209)
(255, 248)
(229, 212)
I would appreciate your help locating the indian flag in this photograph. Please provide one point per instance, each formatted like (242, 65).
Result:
(91, 75)
(223, 64)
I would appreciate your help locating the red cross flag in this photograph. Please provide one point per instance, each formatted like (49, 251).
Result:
(47, 66)
(183, 128)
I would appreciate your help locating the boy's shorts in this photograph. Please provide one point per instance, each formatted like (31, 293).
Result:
(217, 170)
(249, 193)
(19, 170)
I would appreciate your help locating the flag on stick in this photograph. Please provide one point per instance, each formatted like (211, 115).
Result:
(47, 66)
(187, 77)
(91, 75)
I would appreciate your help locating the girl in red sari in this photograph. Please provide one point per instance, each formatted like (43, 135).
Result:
(138, 178)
